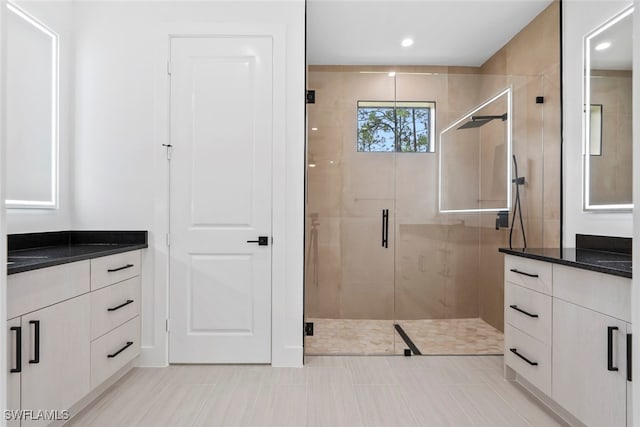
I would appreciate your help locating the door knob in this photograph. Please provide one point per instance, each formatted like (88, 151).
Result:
(262, 241)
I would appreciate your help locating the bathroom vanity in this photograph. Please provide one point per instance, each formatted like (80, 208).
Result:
(568, 330)
(73, 305)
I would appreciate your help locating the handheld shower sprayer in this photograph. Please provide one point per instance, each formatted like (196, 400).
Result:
(517, 206)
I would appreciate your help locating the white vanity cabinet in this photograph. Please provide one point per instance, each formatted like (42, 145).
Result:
(591, 316)
(49, 334)
(527, 316)
(68, 335)
(55, 357)
(571, 326)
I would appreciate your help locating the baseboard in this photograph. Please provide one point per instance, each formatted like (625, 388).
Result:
(93, 396)
(288, 357)
(549, 403)
(153, 357)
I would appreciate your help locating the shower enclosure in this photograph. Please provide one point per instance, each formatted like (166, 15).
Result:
(407, 170)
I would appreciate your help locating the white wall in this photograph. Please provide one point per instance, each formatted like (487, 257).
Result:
(3, 257)
(59, 17)
(635, 289)
(120, 168)
(579, 18)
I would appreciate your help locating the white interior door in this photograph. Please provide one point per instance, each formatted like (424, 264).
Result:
(221, 132)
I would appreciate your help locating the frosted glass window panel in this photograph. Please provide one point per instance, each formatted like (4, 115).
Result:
(31, 108)
(475, 159)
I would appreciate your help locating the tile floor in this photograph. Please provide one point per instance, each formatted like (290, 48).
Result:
(376, 337)
(330, 391)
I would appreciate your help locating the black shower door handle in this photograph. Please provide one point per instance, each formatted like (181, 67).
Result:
(385, 228)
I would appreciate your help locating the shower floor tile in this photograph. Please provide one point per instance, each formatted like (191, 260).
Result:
(454, 336)
(377, 337)
(353, 336)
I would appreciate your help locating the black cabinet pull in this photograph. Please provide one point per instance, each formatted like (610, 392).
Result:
(18, 367)
(610, 330)
(385, 228)
(515, 307)
(129, 301)
(36, 341)
(629, 359)
(127, 345)
(515, 351)
(113, 270)
(523, 273)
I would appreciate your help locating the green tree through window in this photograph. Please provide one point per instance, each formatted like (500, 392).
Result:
(396, 126)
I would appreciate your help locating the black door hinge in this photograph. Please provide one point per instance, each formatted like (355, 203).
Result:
(311, 97)
(308, 329)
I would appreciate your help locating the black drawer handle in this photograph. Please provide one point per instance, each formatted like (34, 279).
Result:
(610, 330)
(18, 367)
(36, 341)
(515, 351)
(129, 301)
(515, 307)
(113, 270)
(629, 358)
(127, 345)
(523, 273)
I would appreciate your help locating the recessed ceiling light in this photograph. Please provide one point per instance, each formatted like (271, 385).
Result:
(392, 74)
(407, 42)
(314, 129)
(603, 46)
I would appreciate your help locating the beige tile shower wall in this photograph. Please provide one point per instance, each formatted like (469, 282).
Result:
(611, 171)
(531, 60)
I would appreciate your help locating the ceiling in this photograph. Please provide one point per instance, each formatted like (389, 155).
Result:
(446, 32)
(620, 55)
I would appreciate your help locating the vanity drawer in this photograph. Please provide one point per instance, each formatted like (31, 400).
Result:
(112, 351)
(529, 311)
(33, 290)
(536, 352)
(529, 273)
(600, 292)
(113, 305)
(114, 268)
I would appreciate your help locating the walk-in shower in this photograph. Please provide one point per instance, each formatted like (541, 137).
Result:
(384, 153)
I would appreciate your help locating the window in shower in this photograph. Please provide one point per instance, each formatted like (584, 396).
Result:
(387, 126)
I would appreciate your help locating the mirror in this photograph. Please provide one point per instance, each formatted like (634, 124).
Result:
(484, 134)
(32, 112)
(608, 172)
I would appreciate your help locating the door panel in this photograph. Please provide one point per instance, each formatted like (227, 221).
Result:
(221, 132)
(221, 293)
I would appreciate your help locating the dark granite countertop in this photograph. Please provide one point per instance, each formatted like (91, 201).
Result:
(617, 264)
(32, 251)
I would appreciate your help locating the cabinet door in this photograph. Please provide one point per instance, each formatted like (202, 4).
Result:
(56, 366)
(582, 381)
(13, 377)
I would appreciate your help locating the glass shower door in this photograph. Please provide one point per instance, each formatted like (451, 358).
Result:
(349, 288)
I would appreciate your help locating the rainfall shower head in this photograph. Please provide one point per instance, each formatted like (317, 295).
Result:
(477, 121)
